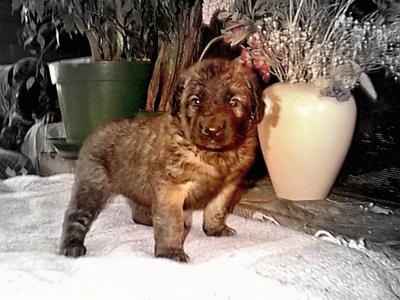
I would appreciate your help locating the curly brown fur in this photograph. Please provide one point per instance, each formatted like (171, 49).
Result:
(171, 164)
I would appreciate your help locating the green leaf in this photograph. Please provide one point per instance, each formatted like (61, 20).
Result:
(234, 26)
(30, 82)
(172, 7)
(258, 22)
(107, 3)
(78, 7)
(79, 24)
(367, 86)
(156, 3)
(127, 7)
(28, 41)
(223, 15)
(40, 39)
(239, 38)
(40, 8)
(69, 24)
(42, 28)
(250, 8)
(57, 38)
(261, 7)
(134, 18)
(262, 10)
(42, 70)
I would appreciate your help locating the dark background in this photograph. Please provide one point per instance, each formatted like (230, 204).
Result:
(10, 49)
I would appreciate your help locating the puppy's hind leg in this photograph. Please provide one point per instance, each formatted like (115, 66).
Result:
(89, 197)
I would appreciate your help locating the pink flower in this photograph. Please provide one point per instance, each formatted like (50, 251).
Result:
(254, 59)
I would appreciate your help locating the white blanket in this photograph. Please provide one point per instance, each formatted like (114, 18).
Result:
(263, 261)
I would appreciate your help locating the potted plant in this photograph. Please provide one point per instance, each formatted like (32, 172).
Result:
(113, 82)
(318, 51)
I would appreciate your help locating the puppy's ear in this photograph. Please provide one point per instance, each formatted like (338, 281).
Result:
(176, 99)
(178, 93)
(257, 105)
(253, 86)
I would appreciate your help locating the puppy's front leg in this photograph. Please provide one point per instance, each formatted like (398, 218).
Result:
(216, 211)
(170, 223)
(142, 215)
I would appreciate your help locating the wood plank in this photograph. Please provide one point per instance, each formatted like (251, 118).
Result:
(348, 216)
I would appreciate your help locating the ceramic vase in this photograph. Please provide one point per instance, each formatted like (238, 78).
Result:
(305, 139)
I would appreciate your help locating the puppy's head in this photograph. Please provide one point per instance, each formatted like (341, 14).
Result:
(218, 103)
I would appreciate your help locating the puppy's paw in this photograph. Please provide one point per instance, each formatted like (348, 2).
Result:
(172, 253)
(73, 250)
(224, 230)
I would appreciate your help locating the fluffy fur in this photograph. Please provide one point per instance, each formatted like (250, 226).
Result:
(171, 164)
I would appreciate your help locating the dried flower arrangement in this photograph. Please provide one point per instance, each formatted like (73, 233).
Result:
(316, 41)
(210, 7)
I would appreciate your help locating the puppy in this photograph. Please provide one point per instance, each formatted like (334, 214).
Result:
(171, 164)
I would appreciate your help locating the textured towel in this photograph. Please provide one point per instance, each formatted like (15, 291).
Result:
(263, 261)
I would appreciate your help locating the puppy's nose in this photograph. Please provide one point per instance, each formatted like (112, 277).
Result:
(212, 131)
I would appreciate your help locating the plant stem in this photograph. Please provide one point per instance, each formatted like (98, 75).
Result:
(94, 46)
(220, 37)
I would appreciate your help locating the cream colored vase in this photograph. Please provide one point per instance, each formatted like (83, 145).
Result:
(305, 139)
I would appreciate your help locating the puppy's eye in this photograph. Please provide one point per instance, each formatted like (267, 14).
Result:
(195, 100)
(234, 101)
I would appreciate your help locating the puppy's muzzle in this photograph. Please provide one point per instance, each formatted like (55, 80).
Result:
(212, 127)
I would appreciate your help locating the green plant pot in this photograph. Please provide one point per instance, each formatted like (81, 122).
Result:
(91, 94)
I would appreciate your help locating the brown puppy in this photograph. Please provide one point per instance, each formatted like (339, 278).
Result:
(171, 164)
